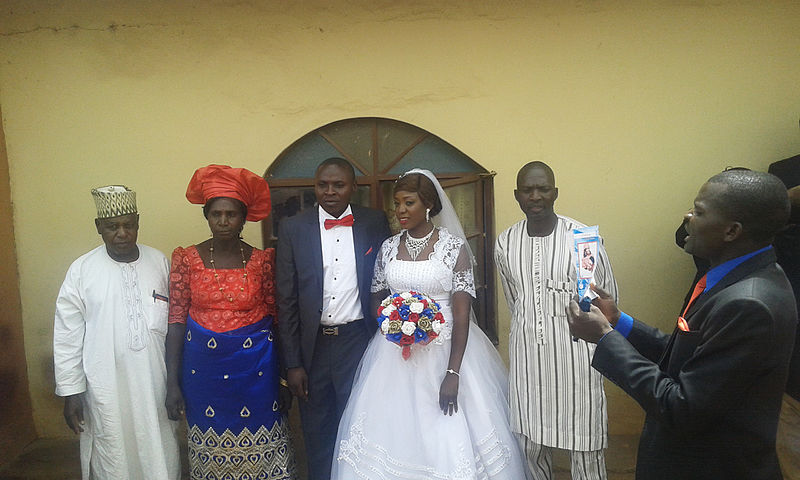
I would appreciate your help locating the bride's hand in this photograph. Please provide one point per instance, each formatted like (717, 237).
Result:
(448, 394)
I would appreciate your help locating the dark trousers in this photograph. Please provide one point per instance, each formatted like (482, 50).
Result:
(330, 379)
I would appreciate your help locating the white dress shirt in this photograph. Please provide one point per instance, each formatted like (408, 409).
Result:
(340, 301)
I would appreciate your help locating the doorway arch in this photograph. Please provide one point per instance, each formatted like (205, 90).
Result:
(381, 149)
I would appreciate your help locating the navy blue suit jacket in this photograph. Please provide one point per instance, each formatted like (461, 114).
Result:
(299, 278)
(712, 395)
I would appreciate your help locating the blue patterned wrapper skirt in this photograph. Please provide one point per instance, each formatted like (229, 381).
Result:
(230, 387)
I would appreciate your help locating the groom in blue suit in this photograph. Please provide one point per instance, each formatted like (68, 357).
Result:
(324, 264)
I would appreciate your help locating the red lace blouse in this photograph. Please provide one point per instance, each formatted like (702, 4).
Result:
(194, 291)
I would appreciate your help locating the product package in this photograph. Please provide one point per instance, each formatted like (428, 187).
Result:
(586, 245)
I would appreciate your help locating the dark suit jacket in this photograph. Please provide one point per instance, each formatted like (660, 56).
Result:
(788, 170)
(787, 248)
(712, 395)
(299, 278)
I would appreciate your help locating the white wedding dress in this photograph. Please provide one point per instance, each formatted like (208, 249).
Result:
(392, 427)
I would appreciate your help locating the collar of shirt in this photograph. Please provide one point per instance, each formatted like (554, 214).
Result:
(718, 273)
(323, 215)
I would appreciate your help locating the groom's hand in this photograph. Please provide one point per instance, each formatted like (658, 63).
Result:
(284, 399)
(298, 382)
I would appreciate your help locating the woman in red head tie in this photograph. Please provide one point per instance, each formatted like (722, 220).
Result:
(222, 362)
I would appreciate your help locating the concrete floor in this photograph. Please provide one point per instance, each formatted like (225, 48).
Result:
(57, 459)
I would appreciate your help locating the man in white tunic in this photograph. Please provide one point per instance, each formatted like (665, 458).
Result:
(108, 348)
(556, 398)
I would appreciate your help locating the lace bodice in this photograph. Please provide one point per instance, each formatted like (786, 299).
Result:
(448, 269)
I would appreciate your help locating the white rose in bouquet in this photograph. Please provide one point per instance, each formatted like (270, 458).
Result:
(388, 310)
(437, 326)
(408, 328)
(385, 326)
(405, 295)
(416, 307)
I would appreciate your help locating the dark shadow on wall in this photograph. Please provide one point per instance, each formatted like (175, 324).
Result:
(16, 417)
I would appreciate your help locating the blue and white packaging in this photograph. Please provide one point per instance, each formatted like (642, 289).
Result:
(586, 246)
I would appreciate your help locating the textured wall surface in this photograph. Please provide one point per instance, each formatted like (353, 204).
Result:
(634, 105)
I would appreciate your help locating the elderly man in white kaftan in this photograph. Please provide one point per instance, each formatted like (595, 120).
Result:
(108, 346)
(556, 398)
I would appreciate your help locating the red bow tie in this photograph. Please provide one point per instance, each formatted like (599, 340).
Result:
(346, 221)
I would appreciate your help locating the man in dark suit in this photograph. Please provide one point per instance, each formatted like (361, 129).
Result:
(324, 263)
(712, 390)
(787, 249)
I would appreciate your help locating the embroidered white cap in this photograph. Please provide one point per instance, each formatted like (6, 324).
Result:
(114, 200)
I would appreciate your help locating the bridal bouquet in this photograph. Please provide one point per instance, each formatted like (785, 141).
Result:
(409, 317)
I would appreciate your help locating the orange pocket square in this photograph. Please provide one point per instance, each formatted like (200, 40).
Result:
(682, 325)
(368, 251)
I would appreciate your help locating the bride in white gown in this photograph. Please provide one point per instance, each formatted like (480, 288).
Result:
(443, 413)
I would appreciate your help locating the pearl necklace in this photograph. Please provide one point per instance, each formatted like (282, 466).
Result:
(216, 277)
(415, 246)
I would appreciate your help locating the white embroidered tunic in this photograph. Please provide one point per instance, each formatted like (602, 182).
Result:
(110, 326)
(556, 397)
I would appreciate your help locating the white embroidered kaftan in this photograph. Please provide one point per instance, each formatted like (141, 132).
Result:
(556, 397)
(110, 326)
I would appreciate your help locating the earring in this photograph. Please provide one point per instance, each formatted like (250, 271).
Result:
(427, 215)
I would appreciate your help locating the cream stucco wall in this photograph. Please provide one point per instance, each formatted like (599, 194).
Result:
(634, 104)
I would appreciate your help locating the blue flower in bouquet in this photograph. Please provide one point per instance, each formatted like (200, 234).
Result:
(394, 337)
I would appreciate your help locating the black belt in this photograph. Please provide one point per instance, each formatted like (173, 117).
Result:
(329, 330)
(335, 331)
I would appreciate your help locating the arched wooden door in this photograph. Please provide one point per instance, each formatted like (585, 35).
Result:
(381, 149)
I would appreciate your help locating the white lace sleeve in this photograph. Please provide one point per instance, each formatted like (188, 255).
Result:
(457, 258)
(385, 254)
(463, 279)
